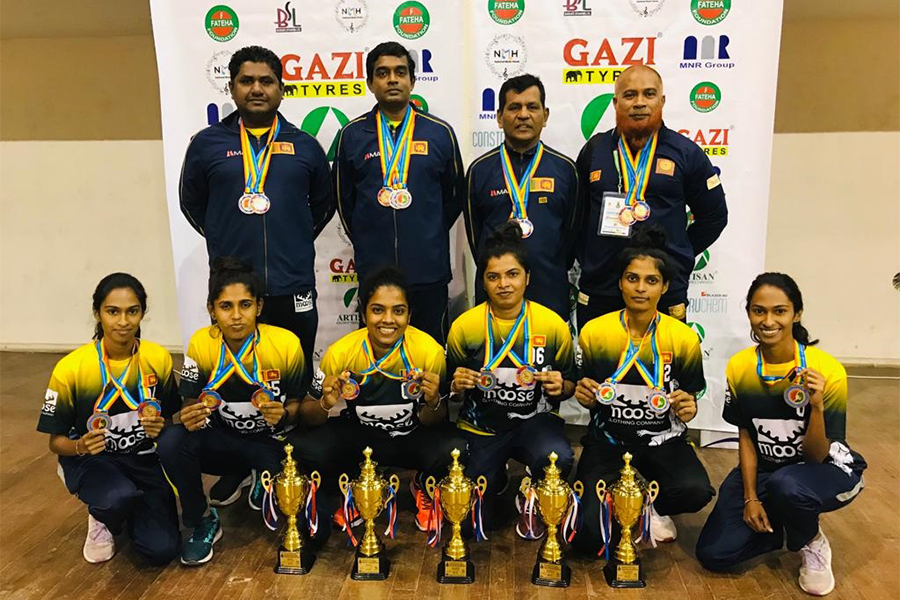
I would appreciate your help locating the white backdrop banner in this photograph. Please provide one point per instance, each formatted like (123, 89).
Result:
(718, 59)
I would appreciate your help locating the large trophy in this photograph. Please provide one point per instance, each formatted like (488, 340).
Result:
(370, 493)
(292, 489)
(631, 494)
(453, 497)
(553, 497)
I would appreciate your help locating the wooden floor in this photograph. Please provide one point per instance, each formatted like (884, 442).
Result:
(42, 530)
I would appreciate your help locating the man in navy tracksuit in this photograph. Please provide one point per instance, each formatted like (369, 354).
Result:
(551, 206)
(270, 219)
(412, 231)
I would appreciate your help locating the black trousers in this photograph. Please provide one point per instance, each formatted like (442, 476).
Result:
(793, 497)
(684, 485)
(428, 310)
(293, 313)
(216, 451)
(598, 306)
(128, 492)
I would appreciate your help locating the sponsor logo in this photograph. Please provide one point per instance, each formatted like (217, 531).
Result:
(217, 73)
(701, 273)
(705, 97)
(709, 52)
(603, 63)
(221, 23)
(494, 137)
(594, 113)
(286, 20)
(420, 103)
(304, 302)
(780, 439)
(50, 399)
(232, 153)
(190, 370)
(342, 272)
(371, 155)
(351, 318)
(351, 14)
(710, 12)
(576, 8)
(506, 12)
(411, 20)
(324, 75)
(424, 70)
(324, 123)
(646, 8)
(506, 55)
(708, 304)
(217, 112)
(496, 193)
(699, 330)
(714, 142)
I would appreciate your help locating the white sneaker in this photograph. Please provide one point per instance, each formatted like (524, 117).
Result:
(816, 577)
(662, 529)
(99, 545)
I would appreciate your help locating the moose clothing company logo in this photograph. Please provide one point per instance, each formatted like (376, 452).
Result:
(221, 23)
(710, 12)
(506, 55)
(351, 14)
(506, 12)
(286, 20)
(705, 97)
(411, 20)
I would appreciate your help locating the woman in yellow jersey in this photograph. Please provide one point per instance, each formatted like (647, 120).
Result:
(106, 404)
(641, 373)
(389, 375)
(513, 363)
(789, 401)
(242, 382)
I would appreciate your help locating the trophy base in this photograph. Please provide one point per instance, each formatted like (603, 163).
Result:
(551, 574)
(619, 575)
(455, 571)
(294, 562)
(370, 568)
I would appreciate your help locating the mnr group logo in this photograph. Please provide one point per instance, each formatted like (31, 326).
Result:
(593, 114)
(710, 53)
(324, 123)
(221, 23)
(710, 12)
(411, 20)
(506, 12)
(705, 97)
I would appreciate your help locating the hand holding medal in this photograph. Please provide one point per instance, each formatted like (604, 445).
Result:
(586, 392)
(93, 442)
(813, 384)
(430, 387)
(551, 382)
(272, 410)
(194, 416)
(463, 379)
(349, 388)
(150, 416)
(684, 405)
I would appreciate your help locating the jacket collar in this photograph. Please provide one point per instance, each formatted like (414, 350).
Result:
(369, 123)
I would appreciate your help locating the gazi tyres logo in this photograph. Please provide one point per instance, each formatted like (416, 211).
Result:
(705, 96)
(411, 20)
(324, 123)
(713, 141)
(506, 12)
(221, 23)
(710, 12)
(342, 272)
(593, 113)
(602, 61)
(699, 330)
(324, 74)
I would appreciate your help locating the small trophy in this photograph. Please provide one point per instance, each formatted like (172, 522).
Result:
(453, 497)
(370, 493)
(553, 498)
(631, 494)
(291, 490)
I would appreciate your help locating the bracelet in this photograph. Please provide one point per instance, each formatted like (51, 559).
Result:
(436, 406)
(327, 410)
(749, 500)
(76, 448)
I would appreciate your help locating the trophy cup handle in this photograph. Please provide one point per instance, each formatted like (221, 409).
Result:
(344, 483)
(525, 485)
(579, 488)
(653, 490)
(266, 480)
(481, 483)
(395, 483)
(429, 486)
(601, 490)
(317, 479)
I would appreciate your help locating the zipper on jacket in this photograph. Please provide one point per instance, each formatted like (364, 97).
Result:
(396, 242)
(265, 256)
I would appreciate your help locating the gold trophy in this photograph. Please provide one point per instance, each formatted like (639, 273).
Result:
(455, 498)
(291, 491)
(553, 498)
(629, 495)
(370, 494)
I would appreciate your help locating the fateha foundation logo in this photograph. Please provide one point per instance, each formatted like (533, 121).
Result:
(705, 96)
(710, 12)
(411, 20)
(506, 12)
(221, 23)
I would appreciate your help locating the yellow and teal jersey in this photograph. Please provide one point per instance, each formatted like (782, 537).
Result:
(382, 403)
(629, 419)
(508, 403)
(281, 367)
(76, 386)
(776, 428)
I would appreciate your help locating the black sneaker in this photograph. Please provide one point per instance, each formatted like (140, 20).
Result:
(227, 490)
(198, 548)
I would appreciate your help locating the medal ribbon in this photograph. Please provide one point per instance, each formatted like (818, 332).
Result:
(637, 171)
(229, 364)
(394, 155)
(109, 395)
(799, 364)
(521, 324)
(256, 164)
(375, 366)
(518, 192)
(631, 356)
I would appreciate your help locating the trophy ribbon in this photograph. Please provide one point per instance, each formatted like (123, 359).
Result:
(477, 513)
(349, 509)
(269, 514)
(391, 506)
(529, 509)
(573, 519)
(435, 518)
(312, 515)
(644, 525)
(605, 519)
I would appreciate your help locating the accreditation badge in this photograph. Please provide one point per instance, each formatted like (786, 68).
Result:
(610, 225)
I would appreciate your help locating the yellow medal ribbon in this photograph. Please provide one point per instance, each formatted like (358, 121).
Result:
(518, 192)
(491, 360)
(394, 155)
(637, 169)
(256, 165)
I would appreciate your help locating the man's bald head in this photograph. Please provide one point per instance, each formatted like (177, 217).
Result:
(635, 74)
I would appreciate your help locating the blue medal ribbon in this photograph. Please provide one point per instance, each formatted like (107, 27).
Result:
(522, 323)
(799, 365)
(631, 356)
(394, 154)
(109, 395)
(229, 364)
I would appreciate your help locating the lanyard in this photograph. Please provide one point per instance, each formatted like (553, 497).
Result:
(631, 355)
(394, 154)
(376, 366)
(256, 164)
(229, 364)
(518, 192)
(637, 169)
(799, 364)
(521, 324)
(109, 395)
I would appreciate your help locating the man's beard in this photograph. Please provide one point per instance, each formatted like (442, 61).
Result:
(639, 130)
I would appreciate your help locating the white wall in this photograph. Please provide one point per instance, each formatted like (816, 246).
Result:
(834, 224)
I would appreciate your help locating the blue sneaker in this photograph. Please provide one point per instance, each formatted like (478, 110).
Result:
(257, 493)
(198, 548)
